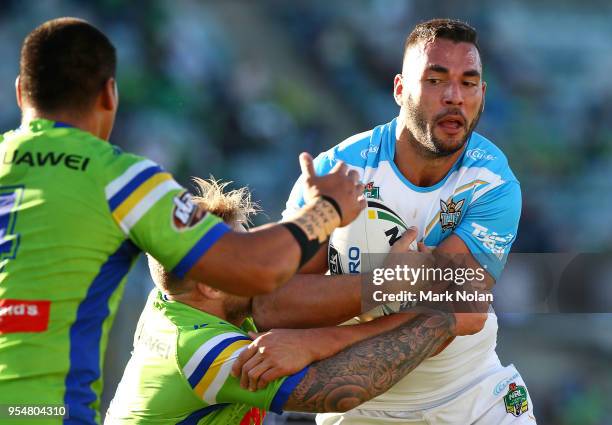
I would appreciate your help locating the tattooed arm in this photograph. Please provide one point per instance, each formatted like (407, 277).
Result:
(369, 368)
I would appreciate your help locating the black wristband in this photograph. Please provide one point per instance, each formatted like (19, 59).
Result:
(309, 247)
(334, 204)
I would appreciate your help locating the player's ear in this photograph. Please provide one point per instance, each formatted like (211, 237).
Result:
(109, 95)
(208, 291)
(398, 89)
(18, 92)
(484, 92)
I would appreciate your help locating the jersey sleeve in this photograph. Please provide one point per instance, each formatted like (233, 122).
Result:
(157, 214)
(208, 374)
(323, 163)
(490, 226)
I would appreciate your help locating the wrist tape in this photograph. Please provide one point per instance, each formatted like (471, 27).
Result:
(313, 225)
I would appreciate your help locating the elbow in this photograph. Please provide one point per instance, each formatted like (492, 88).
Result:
(470, 323)
(268, 270)
(347, 405)
(265, 279)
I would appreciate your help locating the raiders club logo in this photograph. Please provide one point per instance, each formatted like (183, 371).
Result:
(450, 214)
(185, 213)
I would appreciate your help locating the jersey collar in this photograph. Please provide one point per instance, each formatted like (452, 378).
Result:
(389, 141)
(41, 124)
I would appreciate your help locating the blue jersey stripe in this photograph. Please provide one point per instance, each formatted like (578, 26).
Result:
(59, 124)
(199, 249)
(86, 332)
(285, 390)
(195, 417)
(210, 357)
(132, 185)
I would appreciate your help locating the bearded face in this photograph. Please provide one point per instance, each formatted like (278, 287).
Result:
(443, 134)
(441, 95)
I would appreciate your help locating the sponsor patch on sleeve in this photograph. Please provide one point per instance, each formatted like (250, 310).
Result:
(185, 213)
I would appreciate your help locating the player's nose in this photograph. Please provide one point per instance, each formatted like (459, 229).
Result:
(452, 95)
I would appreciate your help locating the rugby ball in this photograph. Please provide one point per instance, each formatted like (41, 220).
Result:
(375, 230)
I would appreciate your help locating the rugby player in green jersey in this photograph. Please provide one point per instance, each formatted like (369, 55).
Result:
(190, 334)
(75, 211)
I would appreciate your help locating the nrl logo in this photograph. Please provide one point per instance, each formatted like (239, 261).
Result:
(516, 400)
(371, 191)
(450, 214)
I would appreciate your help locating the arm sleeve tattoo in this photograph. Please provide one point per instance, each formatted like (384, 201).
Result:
(369, 368)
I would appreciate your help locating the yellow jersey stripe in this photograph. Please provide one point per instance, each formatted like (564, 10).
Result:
(216, 365)
(138, 194)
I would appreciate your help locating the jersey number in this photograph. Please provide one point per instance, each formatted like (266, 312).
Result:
(10, 197)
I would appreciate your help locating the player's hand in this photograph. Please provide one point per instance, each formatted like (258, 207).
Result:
(342, 185)
(272, 355)
(424, 249)
(396, 257)
(406, 243)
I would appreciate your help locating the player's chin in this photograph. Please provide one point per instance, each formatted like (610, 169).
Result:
(448, 146)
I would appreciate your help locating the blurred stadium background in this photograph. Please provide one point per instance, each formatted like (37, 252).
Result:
(238, 88)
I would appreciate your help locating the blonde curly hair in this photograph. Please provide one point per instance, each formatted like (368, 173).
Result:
(233, 207)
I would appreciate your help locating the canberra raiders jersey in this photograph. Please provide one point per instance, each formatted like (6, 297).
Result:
(479, 200)
(179, 372)
(75, 212)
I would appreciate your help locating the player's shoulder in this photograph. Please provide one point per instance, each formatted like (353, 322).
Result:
(123, 172)
(6, 135)
(361, 150)
(482, 153)
(203, 345)
(352, 151)
(201, 340)
(116, 161)
(197, 332)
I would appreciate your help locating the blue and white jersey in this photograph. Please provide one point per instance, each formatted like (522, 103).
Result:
(479, 200)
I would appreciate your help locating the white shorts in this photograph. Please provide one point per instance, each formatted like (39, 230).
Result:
(499, 399)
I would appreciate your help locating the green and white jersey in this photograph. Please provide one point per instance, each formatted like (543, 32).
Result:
(179, 372)
(75, 211)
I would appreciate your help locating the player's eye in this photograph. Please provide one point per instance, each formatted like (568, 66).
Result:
(469, 84)
(434, 81)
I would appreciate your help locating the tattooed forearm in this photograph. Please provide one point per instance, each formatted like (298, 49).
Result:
(369, 368)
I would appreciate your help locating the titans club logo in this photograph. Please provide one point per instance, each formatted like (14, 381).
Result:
(450, 214)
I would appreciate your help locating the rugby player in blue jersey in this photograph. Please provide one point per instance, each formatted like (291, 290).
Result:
(432, 169)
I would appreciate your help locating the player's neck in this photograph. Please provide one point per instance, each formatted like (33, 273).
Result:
(211, 307)
(86, 122)
(417, 166)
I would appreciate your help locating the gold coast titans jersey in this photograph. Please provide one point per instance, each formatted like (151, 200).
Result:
(479, 200)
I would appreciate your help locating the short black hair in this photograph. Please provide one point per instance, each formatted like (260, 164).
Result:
(449, 29)
(64, 64)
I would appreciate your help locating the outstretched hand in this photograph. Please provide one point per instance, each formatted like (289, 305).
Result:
(340, 184)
